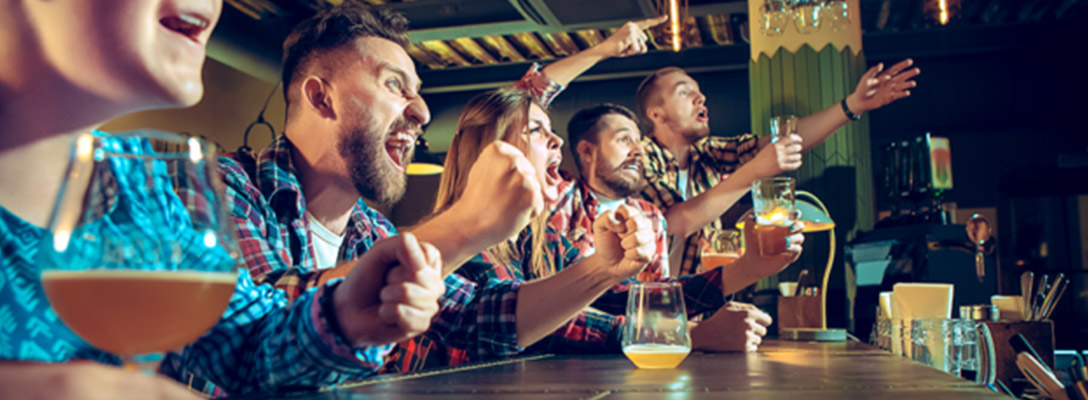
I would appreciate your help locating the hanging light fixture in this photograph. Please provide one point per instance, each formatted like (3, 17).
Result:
(674, 24)
(808, 16)
(942, 11)
(423, 161)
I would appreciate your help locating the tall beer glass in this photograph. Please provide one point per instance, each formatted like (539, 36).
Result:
(141, 259)
(772, 202)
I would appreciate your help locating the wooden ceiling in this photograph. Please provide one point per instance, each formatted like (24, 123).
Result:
(466, 34)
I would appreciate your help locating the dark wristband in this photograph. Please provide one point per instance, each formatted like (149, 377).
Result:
(849, 114)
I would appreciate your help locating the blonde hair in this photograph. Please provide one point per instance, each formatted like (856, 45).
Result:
(499, 114)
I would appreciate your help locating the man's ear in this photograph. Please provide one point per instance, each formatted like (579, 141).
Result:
(586, 152)
(655, 114)
(315, 96)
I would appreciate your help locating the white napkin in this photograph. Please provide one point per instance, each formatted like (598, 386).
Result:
(920, 300)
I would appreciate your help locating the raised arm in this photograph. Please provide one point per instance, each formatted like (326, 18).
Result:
(629, 40)
(481, 218)
(877, 88)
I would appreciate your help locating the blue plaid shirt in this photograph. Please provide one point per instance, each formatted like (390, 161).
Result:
(475, 321)
(261, 343)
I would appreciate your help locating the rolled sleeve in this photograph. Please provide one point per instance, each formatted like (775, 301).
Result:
(265, 343)
(540, 87)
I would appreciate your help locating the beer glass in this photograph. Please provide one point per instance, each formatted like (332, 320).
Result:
(141, 258)
(722, 247)
(772, 203)
(782, 126)
(656, 330)
(960, 347)
(932, 344)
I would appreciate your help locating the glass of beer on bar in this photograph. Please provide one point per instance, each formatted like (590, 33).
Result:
(722, 247)
(656, 331)
(772, 203)
(141, 258)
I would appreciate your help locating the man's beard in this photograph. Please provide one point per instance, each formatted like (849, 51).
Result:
(623, 187)
(692, 130)
(366, 158)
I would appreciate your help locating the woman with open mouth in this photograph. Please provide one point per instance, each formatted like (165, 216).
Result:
(516, 117)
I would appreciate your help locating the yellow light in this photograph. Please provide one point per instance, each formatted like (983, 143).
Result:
(674, 23)
(423, 169)
(943, 6)
(83, 146)
(196, 152)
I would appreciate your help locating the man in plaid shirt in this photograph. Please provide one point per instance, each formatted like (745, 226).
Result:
(353, 114)
(695, 177)
(604, 140)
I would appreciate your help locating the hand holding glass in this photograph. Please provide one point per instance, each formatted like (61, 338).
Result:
(656, 332)
(722, 247)
(782, 126)
(134, 268)
(773, 205)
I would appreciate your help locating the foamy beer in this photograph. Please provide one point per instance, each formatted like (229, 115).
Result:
(722, 247)
(656, 332)
(772, 203)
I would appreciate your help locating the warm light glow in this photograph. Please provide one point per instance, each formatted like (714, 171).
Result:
(775, 217)
(83, 146)
(60, 240)
(810, 226)
(196, 153)
(423, 169)
(674, 23)
(943, 6)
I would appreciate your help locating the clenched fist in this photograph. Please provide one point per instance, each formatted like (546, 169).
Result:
(626, 239)
(392, 292)
(501, 196)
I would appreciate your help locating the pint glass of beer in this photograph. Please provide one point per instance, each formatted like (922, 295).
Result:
(656, 331)
(141, 258)
(722, 247)
(772, 203)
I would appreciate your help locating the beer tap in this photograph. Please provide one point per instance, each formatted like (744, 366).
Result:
(978, 230)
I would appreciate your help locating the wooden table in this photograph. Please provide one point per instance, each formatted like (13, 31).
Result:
(780, 370)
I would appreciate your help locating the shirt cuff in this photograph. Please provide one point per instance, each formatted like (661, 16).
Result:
(497, 318)
(540, 87)
(336, 348)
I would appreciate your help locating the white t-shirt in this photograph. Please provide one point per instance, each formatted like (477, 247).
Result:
(326, 244)
(682, 181)
(607, 204)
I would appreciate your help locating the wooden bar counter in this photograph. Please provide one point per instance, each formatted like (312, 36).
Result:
(780, 370)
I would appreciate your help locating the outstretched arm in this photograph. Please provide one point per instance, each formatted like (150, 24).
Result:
(877, 88)
(629, 40)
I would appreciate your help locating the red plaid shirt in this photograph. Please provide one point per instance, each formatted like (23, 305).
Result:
(475, 321)
(573, 219)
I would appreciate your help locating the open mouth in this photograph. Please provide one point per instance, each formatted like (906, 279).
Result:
(188, 25)
(701, 115)
(551, 173)
(397, 148)
(632, 165)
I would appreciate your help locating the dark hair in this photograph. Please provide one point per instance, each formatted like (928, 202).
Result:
(583, 126)
(646, 90)
(335, 27)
